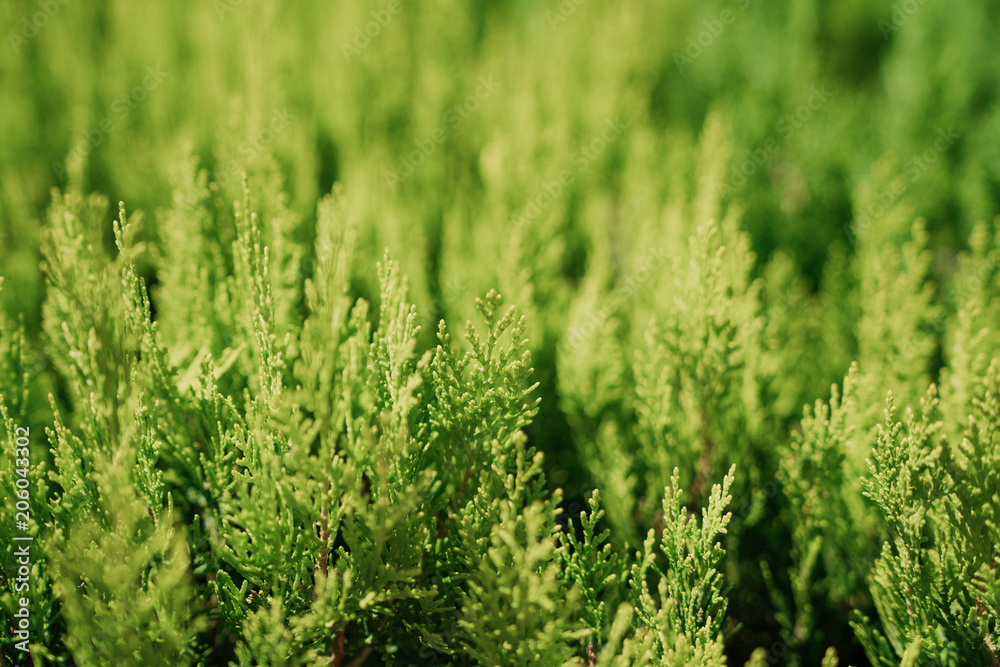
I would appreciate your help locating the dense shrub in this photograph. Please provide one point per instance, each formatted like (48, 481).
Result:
(739, 401)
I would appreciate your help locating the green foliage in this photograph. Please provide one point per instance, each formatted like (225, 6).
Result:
(351, 498)
(269, 422)
(595, 569)
(517, 611)
(935, 582)
(127, 572)
(685, 625)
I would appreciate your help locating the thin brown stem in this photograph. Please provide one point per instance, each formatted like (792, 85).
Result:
(357, 662)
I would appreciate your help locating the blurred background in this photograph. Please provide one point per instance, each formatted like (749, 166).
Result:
(530, 146)
(359, 97)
